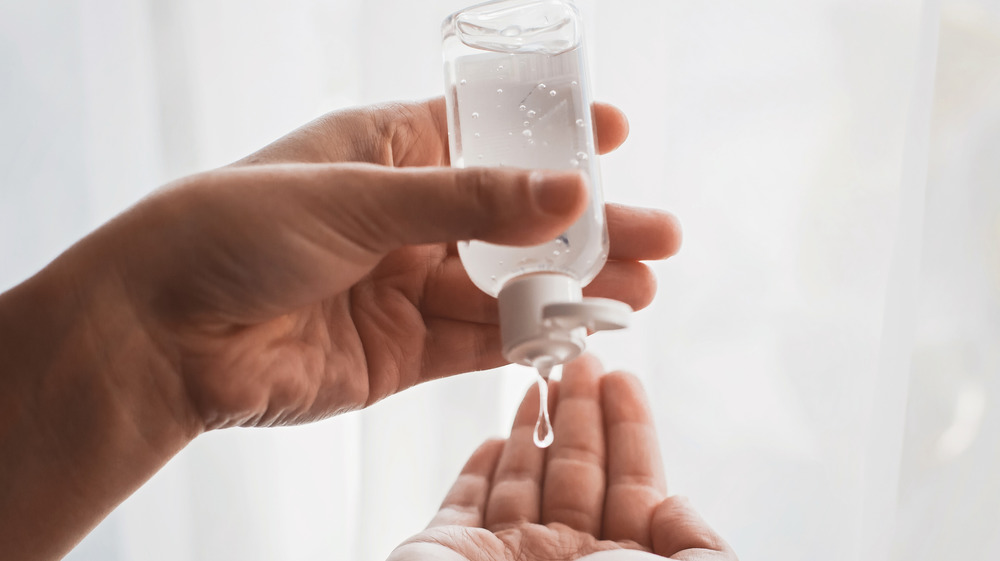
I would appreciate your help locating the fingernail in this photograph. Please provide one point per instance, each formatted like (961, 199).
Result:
(556, 192)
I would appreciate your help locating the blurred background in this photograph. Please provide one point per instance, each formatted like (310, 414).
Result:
(823, 355)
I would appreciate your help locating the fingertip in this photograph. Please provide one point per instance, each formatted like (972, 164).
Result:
(491, 448)
(585, 363)
(641, 234)
(529, 400)
(624, 398)
(491, 443)
(465, 503)
(483, 460)
(627, 281)
(672, 235)
(581, 378)
(678, 527)
(644, 295)
(611, 125)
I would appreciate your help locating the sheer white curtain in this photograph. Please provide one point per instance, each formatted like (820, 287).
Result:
(823, 356)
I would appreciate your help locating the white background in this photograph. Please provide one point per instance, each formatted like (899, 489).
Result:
(823, 356)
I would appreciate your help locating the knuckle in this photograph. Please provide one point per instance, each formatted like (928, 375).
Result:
(477, 183)
(581, 454)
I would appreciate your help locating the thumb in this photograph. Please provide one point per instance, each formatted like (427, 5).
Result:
(382, 208)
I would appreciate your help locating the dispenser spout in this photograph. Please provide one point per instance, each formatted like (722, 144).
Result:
(545, 316)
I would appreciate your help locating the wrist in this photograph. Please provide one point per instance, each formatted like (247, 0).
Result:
(91, 409)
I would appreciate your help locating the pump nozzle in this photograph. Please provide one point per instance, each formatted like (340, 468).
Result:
(546, 316)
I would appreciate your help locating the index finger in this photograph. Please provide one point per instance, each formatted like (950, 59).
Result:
(397, 134)
(404, 123)
(404, 126)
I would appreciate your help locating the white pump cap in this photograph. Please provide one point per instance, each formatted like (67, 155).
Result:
(546, 315)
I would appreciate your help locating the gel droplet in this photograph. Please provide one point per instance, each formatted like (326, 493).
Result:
(579, 122)
(477, 135)
(543, 435)
(461, 82)
(532, 113)
(526, 132)
(574, 163)
(499, 90)
(581, 155)
(522, 107)
(475, 115)
(541, 86)
(573, 83)
(499, 68)
(552, 93)
(527, 123)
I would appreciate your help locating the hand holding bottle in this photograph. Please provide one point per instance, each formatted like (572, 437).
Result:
(600, 487)
(318, 285)
(316, 276)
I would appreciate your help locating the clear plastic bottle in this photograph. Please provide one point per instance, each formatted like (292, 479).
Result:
(517, 96)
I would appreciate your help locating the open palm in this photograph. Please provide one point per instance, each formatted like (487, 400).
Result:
(600, 486)
(318, 276)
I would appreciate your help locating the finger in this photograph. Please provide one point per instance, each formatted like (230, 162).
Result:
(466, 501)
(388, 134)
(573, 493)
(379, 209)
(397, 134)
(610, 123)
(611, 127)
(641, 234)
(625, 281)
(636, 484)
(346, 135)
(450, 294)
(637, 233)
(516, 494)
(679, 532)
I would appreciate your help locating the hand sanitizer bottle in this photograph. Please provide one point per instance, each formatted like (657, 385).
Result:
(517, 95)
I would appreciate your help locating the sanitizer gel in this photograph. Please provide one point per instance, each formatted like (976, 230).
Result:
(517, 96)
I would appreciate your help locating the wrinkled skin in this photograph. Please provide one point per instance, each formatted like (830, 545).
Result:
(600, 486)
